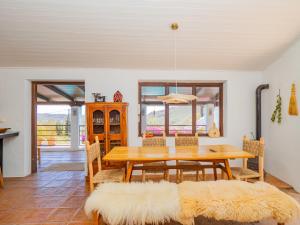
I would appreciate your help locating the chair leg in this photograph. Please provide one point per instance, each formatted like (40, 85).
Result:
(1, 178)
(215, 171)
(177, 175)
(203, 174)
(100, 220)
(222, 175)
(261, 178)
(92, 187)
(181, 175)
(167, 175)
(143, 176)
(96, 218)
(197, 175)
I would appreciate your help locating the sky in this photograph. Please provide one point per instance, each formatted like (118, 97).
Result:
(53, 109)
(56, 109)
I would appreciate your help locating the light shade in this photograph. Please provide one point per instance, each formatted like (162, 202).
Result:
(177, 98)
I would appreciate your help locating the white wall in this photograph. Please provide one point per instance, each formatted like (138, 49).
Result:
(283, 141)
(239, 115)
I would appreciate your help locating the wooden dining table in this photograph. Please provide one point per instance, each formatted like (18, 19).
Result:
(218, 155)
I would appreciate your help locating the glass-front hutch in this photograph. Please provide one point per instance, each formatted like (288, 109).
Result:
(108, 121)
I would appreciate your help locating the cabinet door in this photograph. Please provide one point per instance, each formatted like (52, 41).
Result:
(114, 135)
(98, 121)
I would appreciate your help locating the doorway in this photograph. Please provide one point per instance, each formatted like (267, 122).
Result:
(58, 126)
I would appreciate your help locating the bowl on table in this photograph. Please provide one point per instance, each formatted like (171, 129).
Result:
(3, 130)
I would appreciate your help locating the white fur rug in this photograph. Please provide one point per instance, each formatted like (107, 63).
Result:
(135, 203)
(153, 203)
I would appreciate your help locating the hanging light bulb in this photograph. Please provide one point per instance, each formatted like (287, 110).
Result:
(176, 97)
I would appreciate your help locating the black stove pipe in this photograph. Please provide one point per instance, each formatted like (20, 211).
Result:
(258, 109)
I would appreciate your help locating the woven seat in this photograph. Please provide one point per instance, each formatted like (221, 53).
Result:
(243, 173)
(105, 176)
(187, 141)
(155, 142)
(102, 176)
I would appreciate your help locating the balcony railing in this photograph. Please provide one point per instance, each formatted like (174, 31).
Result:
(58, 135)
(54, 135)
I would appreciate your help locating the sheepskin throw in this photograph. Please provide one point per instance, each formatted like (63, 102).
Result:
(153, 203)
(236, 201)
(135, 203)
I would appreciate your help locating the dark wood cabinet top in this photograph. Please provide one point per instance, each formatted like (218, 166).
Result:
(9, 134)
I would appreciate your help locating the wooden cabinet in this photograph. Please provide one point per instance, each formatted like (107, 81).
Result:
(108, 121)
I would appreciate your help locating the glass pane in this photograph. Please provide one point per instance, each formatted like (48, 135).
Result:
(207, 111)
(208, 94)
(114, 122)
(98, 122)
(180, 119)
(206, 115)
(153, 118)
(149, 93)
(181, 90)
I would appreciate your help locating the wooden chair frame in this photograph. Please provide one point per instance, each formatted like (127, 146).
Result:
(260, 158)
(166, 171)
(179, 172)
(258, 153)
(93, 152)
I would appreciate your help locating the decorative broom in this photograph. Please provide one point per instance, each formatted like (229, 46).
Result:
(293, 109)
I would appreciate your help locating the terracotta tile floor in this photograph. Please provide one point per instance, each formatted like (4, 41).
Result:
(57, 198)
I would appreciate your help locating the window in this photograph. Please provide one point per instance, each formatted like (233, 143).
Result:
(186, 119)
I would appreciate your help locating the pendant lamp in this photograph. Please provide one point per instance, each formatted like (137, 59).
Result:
(176, 97)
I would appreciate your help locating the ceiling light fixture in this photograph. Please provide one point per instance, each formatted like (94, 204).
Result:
(176, 97)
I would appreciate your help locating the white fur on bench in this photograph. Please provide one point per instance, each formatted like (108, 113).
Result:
(135, 203)
(236, 201)
(153, 203)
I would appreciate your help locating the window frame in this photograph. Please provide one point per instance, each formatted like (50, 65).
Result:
(167, 86)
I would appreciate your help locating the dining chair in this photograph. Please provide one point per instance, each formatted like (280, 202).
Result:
(188, 141)
(102, 176)
(155, 142)
(1, 178)
(257, 148)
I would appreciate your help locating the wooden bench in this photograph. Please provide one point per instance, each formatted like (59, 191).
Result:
(153, 203)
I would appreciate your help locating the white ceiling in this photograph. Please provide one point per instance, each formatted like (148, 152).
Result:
(213, 34)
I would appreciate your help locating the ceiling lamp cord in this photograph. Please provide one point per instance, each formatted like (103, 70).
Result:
(174, 27)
